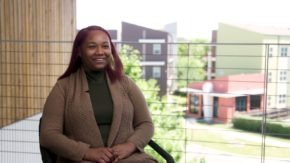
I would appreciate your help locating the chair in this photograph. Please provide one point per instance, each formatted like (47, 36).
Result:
(49, 157)
(164, 154)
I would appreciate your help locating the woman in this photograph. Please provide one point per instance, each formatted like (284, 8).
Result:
(95, 113)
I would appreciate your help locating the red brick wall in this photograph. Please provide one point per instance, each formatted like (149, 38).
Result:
(226, 108)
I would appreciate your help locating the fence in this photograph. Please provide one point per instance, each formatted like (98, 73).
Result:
(193, 121)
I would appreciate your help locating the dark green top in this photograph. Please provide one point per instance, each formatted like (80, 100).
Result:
(102, 101)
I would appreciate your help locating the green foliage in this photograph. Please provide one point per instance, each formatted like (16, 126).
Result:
(254, 124)
(189, 69)
(170, 130)
(195, 47)
(278, 129)
(199, 160)
(167, 127)
(131, 60)
(150, 91)
(191, 63)
(247, 123)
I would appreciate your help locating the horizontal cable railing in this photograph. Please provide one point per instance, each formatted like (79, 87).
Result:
(247, 114)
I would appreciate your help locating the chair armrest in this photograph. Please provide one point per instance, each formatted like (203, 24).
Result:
(161, 151)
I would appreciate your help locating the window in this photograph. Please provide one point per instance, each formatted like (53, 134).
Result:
(284, 52)
(156, 72)
(255, 101)
(283, 75)
(282, 99)
(194, 101)
(269, 101)
(241, 103)
(143, 72)
(157, 49)
(269, 77)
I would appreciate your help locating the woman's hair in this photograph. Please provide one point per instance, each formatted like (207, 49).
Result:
(115, 66)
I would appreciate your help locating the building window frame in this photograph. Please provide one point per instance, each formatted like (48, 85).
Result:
(156, 72)
(269, 77)
(156, 49)
(282, 99)
(255, 101)
(283, 75)
(241, 103)
(269, 101)
(284, 51)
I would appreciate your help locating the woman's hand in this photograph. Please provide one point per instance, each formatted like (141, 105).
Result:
(102, 155)
(124, 150)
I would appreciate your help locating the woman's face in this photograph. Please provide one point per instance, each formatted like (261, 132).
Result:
(96, 50)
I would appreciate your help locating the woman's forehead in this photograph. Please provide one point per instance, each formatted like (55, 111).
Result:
(97, 35)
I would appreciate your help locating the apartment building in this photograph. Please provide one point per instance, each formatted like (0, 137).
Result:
(153, 47)
(257, 49)
(243, 52)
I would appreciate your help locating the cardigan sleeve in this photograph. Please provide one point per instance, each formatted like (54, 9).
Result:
(142, 121)
(51, 133)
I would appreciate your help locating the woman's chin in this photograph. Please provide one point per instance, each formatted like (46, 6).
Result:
(99, 67)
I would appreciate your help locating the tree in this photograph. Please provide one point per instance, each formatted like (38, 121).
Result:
(164, 124)
(132, 67)
(131, 60)
(191, 63)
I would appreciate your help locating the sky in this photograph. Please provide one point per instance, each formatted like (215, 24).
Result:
(194, 18)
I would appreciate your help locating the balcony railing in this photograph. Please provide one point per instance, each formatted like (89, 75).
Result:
(194, 123)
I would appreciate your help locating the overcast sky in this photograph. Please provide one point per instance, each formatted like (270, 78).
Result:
(194, 18)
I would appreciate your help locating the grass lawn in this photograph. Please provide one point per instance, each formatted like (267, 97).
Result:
(224, 138)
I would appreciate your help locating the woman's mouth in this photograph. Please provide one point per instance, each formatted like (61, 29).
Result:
(99, 60)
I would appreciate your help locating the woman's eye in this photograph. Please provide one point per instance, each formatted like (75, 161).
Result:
(91, 46)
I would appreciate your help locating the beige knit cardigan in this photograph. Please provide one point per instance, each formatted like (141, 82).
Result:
(69, 127)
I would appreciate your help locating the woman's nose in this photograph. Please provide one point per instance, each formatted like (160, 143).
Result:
(99, 51)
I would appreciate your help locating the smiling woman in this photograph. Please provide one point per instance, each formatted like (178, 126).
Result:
(95, 113)
(96, 51)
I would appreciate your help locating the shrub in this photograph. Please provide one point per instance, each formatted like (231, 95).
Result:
(254, 124)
